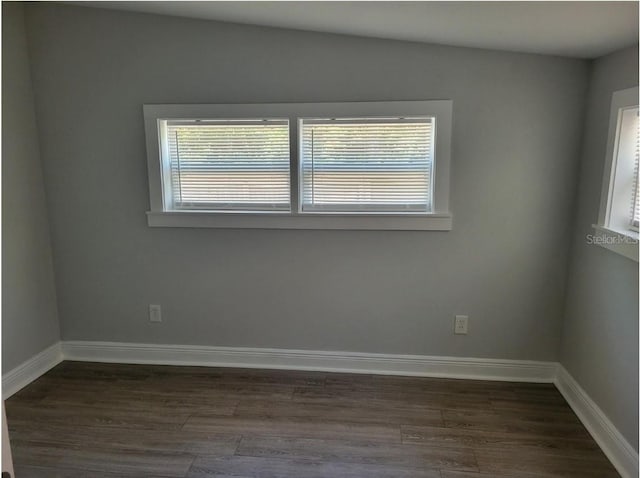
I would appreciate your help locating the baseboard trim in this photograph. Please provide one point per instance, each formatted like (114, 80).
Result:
(25, 373)
(609, 439)
(349, 362)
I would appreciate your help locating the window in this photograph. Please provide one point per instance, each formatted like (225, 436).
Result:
(226, 165)
(377, 165)
(617, 227)
(366, 164)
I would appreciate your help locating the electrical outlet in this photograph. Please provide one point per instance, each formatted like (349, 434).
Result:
(155, 313)
(461, 325)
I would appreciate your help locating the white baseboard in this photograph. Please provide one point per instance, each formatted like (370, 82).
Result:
(350, 362)
(28, 371)
(613, 444)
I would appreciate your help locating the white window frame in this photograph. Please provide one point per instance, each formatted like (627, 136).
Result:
(609, 233)
(439, 219)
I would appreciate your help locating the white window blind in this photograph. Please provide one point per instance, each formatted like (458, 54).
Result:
(218, 165)
(367, 165)
(635, 200)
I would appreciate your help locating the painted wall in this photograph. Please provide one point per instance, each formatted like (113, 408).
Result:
(517, 127)
(600, 337)
(29, 311)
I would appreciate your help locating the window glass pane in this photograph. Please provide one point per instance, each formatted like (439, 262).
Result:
(623, 198)
(635, 202)
(367, 164)
(228, 165)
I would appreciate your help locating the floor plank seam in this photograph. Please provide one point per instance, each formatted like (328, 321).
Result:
(186, 474)
(475, 459)
(181, 427)
(339, 461)
(235, 451)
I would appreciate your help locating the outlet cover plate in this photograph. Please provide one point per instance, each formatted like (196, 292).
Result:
(155, 313)
(461, 325)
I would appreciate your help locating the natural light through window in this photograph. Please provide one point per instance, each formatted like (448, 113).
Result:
(635, 188)
(367, 165)
(617, 228)
(623, 196)
(228, 165)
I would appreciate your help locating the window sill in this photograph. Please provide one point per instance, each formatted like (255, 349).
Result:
(374, 222)
(624, 243)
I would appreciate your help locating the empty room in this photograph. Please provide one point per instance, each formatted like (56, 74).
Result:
(320, 239)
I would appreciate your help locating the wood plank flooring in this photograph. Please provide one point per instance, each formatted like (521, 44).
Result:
(107, 420)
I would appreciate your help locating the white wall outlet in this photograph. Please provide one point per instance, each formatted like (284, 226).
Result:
(155, 313)
(461, 325)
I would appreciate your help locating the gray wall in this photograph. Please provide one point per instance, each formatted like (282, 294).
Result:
(600, 337)
(517, 126)
(29, 313)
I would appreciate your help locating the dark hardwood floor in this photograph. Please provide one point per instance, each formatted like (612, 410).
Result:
(105, 421)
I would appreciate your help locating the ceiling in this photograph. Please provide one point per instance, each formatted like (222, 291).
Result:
(582, 29)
